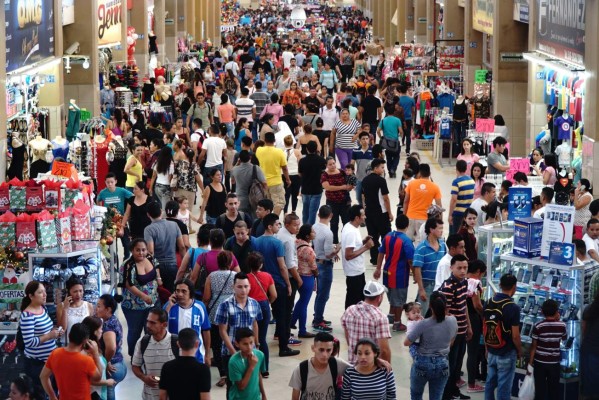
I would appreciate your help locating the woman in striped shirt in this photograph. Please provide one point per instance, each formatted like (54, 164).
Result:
(342, 137)
(366, 380)
(36, 326)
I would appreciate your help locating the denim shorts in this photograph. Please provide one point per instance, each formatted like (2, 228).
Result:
(397, 296)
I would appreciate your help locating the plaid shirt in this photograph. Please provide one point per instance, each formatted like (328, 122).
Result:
(230, 313)
(364, 320)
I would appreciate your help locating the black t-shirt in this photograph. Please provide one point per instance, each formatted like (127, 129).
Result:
(372, 186)
(187, 370)
(240, 252)
(291, 122)
(310, 168)
(265, 66)
(153, 133)
(258, 228)
(227, 225)
(312, 100)
(371, 105)
(245, 58)
(181, 225)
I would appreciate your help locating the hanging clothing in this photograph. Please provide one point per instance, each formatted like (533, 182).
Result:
(99, 165)
(16, 165)
(482, 107)
(38, 167)
(117, 166)
(73, 122)
(460, 111)
(60, 149)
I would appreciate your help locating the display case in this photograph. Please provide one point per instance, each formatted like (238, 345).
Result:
(494, 240)
(539, 280)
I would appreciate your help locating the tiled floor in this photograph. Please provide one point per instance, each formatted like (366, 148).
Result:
(281, 368)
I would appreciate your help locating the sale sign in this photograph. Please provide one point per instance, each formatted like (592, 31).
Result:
(485, 125)
(62, 169)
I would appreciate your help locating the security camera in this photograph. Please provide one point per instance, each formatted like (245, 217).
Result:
(72, 49)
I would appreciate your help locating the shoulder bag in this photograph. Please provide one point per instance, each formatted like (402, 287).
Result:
(390, 145)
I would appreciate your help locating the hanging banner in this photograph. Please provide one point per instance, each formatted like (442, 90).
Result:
(482, 15)
(109, 21)
(560, 31)
(29, 32)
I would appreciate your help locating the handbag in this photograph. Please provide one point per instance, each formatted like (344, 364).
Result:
(389, 144)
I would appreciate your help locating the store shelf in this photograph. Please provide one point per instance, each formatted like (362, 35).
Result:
(69, 250)
(539, 261)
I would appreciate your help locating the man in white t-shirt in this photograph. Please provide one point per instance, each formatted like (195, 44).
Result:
(233, 66)
(214, 150)
(287, 56)
(591, 239)
(352, 256)
(487, 195)
(455, 245)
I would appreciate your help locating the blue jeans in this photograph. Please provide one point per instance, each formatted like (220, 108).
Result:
(428, 288)
(325, 280)
(136, 320)
(433, 370)
(392, 160)
(500, 375)
(300, 311)
(164, 194)
(310, 204)
(263, 330)
(118, 376)
(207, 171)
(359, 192)
(168, 273)
(230, 129)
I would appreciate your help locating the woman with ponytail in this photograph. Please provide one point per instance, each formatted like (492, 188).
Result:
(431, 364)
(22, 388)
(111, 342)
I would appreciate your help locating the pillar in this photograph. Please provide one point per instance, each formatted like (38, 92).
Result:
(82, 84)
(453, 21)
(387, 24)
(170, 29)
(212, 22)
(509, 83)
(2, 99)
(432, 9)
(120, 53)
(473, 49)
(409, 18)
(160, 29)
(138, 18)
(420, 21)
(182, 18)
(200, 17)
(377, 19)
(190, 12)
(397, 27)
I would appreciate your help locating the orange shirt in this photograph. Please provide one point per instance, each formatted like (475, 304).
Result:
(225, 112)
(422, 194)
(73, 372)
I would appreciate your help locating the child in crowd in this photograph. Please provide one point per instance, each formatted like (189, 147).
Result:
(184, 215)
(414, 313)
(468, 234)
(406, 177)
(231, 153)
(350, 178)
(245, 367)
(545, 354)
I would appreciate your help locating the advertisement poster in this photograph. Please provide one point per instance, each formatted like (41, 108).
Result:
(482, 15)
(520, 203)
(29, 32)
(560, 31)
(109, 21)
(558, 226)
(521, 11)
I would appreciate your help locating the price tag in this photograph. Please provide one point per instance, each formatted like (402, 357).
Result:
(62, 169)
(485, 125)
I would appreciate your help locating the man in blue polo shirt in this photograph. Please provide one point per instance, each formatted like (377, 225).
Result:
(462, 196)
(426, 258)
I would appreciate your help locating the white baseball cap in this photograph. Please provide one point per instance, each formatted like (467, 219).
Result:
(373, 288)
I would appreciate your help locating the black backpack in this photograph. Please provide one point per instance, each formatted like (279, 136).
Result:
(494, 331)
(304, 376)
(145, 341)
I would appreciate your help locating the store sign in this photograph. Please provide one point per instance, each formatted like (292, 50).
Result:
(521, 11)
(29, 32)
(511, 57)
(482, 15)
(560, 31)
(12, 292)
(109, 21)
(68, 12)
(519, 203)
(558, 225)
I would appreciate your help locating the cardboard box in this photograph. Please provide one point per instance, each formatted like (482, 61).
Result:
(528, 233)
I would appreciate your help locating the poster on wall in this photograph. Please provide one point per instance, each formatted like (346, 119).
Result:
(109, 21)
(68, 12)
(521, 11)
(29, 32)
(560, 31)
(482, 15)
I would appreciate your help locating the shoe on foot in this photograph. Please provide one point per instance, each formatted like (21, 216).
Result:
(221, 382)
(460, 395)
(322, 327)
(266, 374)
(475, 389)
(294, 342)
(288, 353)
(399, 327)
(460, 383)
(306, 335)
(293, 326)
(273, 321)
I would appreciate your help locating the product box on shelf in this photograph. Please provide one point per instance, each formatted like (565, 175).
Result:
(527, 237)
(562, 253)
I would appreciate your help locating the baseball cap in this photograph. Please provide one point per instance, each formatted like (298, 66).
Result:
(373, 288)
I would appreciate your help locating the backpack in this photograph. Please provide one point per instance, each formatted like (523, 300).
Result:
(20, 341)
(304, 376)
(256, 190)
(145, 341)
(494, 332)
(222, 220)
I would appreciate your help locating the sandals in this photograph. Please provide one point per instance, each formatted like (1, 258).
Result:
(222, 382)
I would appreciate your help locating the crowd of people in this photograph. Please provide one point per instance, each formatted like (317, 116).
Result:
(264, 120)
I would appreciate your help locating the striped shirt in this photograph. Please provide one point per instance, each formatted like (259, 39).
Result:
(379, 385)
(261, 99)
(152, 360)
(244, 107)
(33, 326)
(426, 258)
(345, 133)
(549, 334)
(456, 293)
(463, 187)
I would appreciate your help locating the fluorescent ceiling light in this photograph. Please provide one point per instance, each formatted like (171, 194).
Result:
(555, 65)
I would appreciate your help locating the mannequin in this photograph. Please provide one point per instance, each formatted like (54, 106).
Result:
(99, 164)
(18, 158)
(564, 154)
(60, 147)
(73, 120)
(159, 71)
(543, 140)
(118, 149)
(152, 46)
(482, 105)
(39, 146)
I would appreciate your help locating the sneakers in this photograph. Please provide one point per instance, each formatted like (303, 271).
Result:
(288, 353)
(322, 327)
(307, 335)
(399, 327)
(294, 342)
(475, 389)
(460, 395)
(460, 383)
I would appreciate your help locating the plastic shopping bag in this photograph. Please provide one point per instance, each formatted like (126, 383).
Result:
(527, 389)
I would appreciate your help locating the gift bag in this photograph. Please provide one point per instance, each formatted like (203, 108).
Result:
(73, 192)
(17, 194)
(63, 228)
(26, 234)
(7, 229)
(80, 221)
(52, 195)
(4, 197)
(34, 197)
(46, 230)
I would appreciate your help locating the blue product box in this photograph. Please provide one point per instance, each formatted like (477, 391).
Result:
(561, 253)
(528, 234)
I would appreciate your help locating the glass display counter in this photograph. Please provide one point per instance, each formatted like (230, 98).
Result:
(494, 240)
(539, 280)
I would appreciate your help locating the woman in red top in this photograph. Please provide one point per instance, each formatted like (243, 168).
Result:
(336, 191)
(293, 96)
(262, 289)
